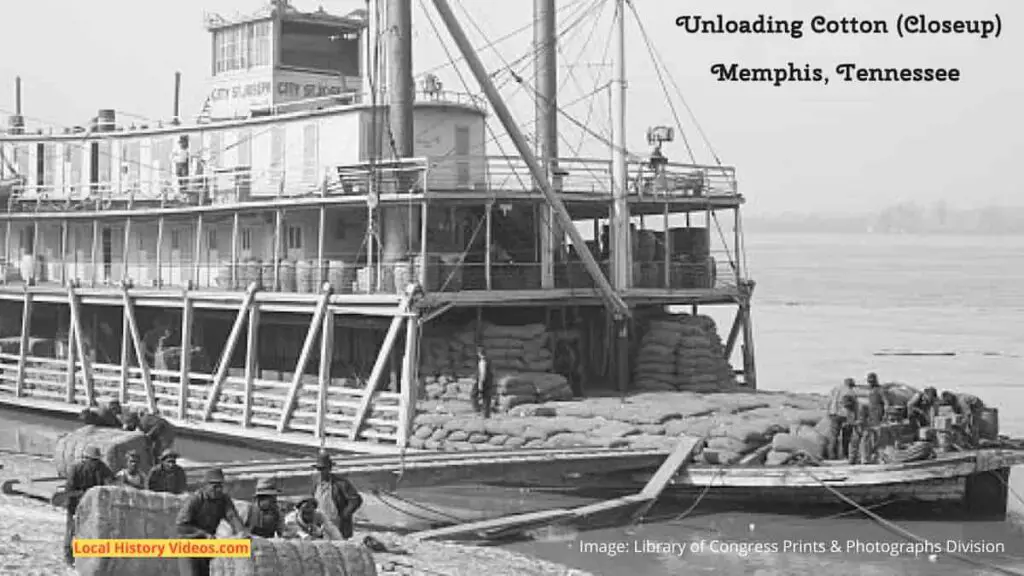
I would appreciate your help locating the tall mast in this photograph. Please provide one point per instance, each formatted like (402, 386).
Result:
(619, 221)
(546, 131)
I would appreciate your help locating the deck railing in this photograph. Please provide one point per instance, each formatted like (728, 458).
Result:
(443, 272)
(439, 174)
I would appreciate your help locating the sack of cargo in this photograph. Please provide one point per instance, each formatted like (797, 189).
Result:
(774, 458)
(720, 457)
(113, 444)
(792, 444)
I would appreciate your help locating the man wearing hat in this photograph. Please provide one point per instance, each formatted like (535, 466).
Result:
(200, 515)
(89, 472)
(308, 523)
(336, 497)
(167, 476)
(265, 519)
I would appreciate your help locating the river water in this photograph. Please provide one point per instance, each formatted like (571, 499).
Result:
(823, 306)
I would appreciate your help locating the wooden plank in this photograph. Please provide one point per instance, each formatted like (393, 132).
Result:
(326, 359)
(734, 333)
(229, 350)
(126, 353)
(76, 325)
(251, 357)
(300, 367)
(517, 521)
(185, 362)
(410, 382)
(375, 376)
(140, 351)
(26, 326)
(676, 461)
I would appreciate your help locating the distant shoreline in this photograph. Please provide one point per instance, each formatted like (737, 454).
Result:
(902, 219)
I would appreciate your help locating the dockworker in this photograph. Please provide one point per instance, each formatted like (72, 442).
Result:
(335, 495)
(970, 407)
(167, 476)
(308, 523)
(861, 448)
(483, 389)
(878, 401)
(107, 414)
(265, 518)
(130, 475)
(200, 515)
(151, 339)
(89, 472)
(159, 432)
(838, 415)
(921, 407)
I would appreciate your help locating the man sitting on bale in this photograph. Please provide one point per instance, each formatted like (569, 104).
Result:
(89, 472)
(921, 408)
(200, 515)
(264, 518)
(159, 432)
(838, 415)
(308, 523)
(335, 496)
(167, 476)
(970, 407)
(130, 476)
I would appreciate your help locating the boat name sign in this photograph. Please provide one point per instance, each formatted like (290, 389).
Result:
(284, 89)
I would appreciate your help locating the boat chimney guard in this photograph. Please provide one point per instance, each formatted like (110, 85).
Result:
(105, 120)
(16, 123)
(177, 99)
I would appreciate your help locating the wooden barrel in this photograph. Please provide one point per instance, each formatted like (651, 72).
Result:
(267, 276)
(224, 276)
(988, 424)
(287, 276)
(366, 279)
(403, 276)
(305, 276)
(432, 277)
(341, 276)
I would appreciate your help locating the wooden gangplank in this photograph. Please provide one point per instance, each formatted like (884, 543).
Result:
(531, 467)
(643, 500)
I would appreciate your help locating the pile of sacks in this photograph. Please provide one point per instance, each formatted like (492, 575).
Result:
(520, 358)
(683, 352)
(736, 425)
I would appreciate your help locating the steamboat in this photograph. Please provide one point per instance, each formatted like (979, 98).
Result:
(283, 269)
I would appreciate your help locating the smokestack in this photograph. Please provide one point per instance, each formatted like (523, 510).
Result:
(177, 97)
(16, 123)
(400, 83)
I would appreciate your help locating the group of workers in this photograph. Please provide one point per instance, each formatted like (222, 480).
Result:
(326, 513)
(854, 426)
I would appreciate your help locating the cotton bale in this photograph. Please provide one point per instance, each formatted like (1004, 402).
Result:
(293, 557)
(112, 443)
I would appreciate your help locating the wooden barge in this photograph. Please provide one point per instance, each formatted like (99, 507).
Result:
(256, 283)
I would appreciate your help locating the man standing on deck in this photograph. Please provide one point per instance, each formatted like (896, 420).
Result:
(335, 496)
(921, 408)
(200, 515)
(878, 402)
(167, 476)
(483, 390)
(837, 413)
(180, 159)
(970, 408)
(90, 472)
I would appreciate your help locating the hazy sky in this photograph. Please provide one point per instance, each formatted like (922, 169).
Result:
(797, 147)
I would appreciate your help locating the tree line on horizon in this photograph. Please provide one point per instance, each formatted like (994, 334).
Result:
(904, 218)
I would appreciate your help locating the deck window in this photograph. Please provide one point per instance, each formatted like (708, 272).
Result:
(245, 239)
(226, 43)
(319, 47)
(244, 146)
(309, 152)
(211, 240)
(462, 149)
(242, 47)
(175, 239)
(131, 164)
(294, 238)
